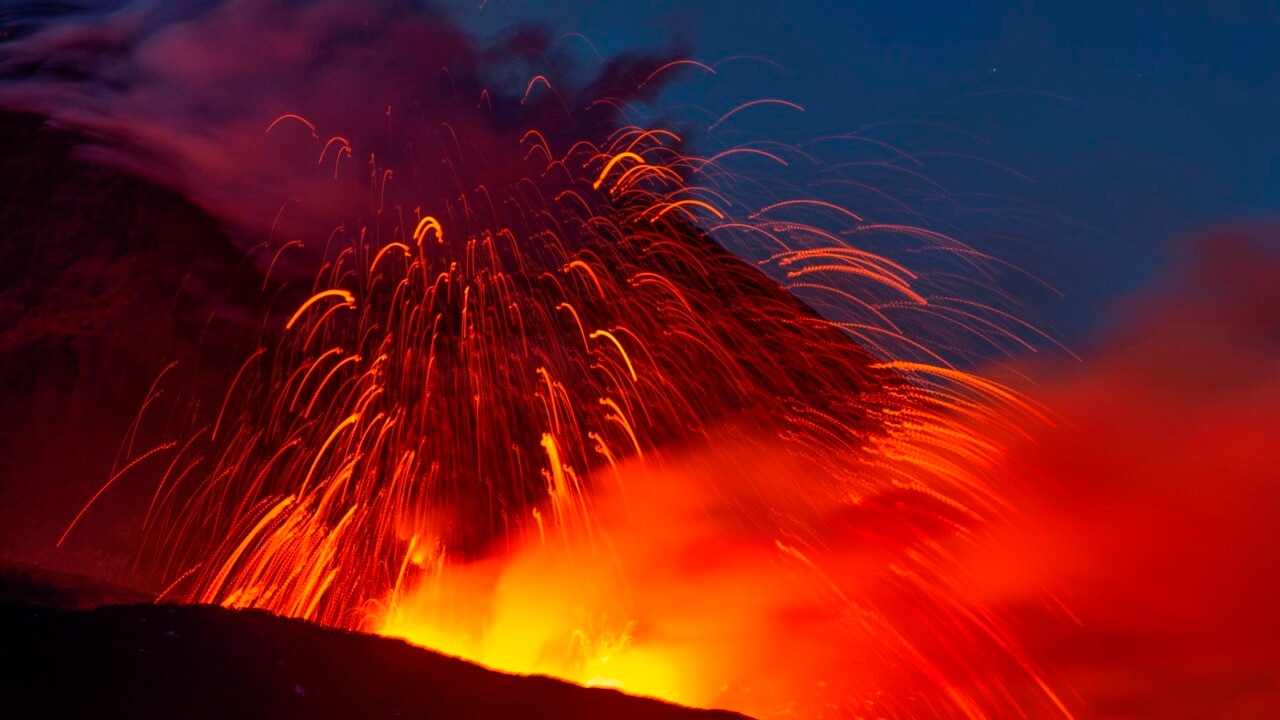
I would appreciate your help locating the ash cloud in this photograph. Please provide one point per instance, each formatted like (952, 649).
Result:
(183, 94)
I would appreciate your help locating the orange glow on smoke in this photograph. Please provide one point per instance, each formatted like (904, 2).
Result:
(665, 597)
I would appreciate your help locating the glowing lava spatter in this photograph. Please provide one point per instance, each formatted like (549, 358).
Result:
(551, 426)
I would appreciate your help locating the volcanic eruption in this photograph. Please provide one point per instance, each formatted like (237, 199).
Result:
(514, 393)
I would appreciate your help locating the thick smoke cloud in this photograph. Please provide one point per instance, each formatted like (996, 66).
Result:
(184, 93)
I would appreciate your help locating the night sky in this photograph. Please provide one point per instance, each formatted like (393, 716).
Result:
(1137, 123)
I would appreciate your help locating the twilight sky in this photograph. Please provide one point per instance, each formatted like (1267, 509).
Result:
(1135, 123)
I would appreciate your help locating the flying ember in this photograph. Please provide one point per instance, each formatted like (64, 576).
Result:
(554, 428)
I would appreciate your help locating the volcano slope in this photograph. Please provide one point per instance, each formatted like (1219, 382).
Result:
(163, 661)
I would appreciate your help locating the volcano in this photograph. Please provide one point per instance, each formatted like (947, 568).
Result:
(115, 278)
(486, 371)
(109, 277)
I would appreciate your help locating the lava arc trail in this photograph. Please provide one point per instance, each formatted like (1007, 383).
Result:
(522, 428)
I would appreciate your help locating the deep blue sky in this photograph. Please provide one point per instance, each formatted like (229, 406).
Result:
(1141, 121)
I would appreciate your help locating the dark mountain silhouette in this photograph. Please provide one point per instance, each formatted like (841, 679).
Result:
(146, 661)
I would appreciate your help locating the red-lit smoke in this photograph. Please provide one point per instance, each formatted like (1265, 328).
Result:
(1162, 496)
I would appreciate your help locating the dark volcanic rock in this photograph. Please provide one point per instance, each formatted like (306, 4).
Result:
(22, 583)
(104, 280)
(159, 661)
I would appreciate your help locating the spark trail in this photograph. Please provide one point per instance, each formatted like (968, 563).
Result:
(528, 424)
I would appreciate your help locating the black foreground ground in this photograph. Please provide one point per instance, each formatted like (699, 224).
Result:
(142, 661)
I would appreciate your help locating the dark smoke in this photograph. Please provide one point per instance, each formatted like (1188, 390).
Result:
(183, 94)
